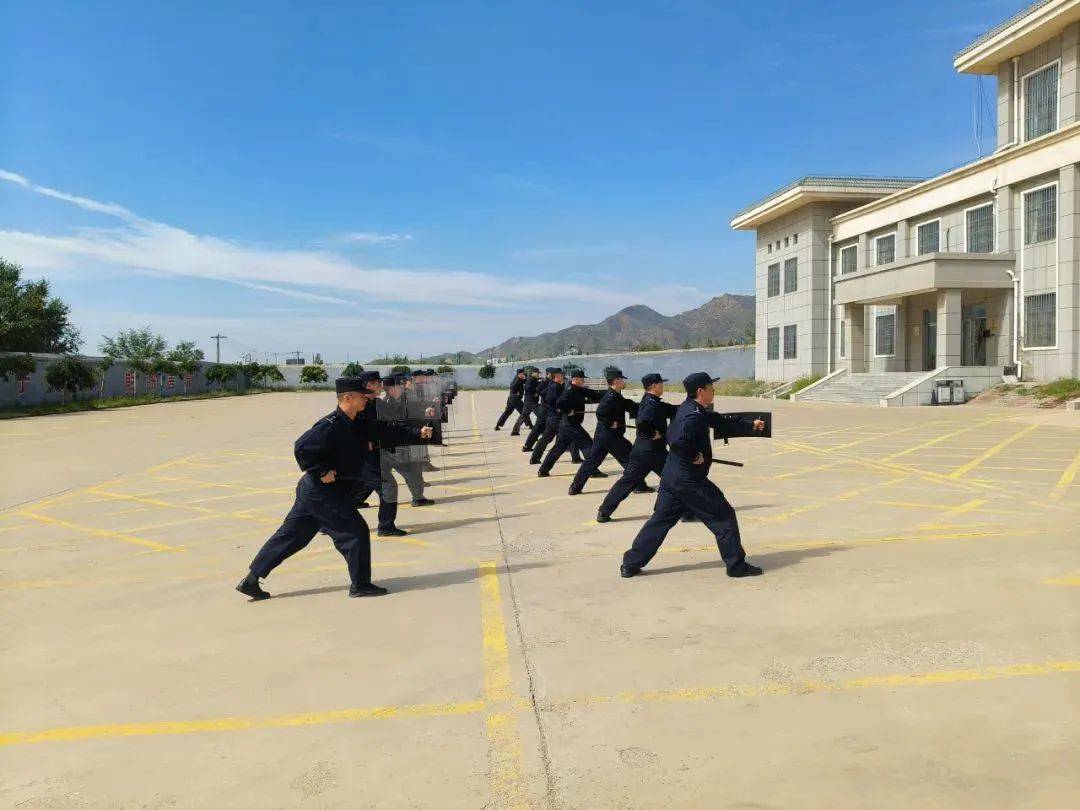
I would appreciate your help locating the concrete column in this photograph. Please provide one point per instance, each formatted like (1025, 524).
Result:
(948, 328)
(864, 256)
(1005, 214)
(902, 239)
(855, 320)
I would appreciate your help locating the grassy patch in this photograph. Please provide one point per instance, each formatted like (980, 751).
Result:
(742, 387)
(1058, 391)
(124, 402)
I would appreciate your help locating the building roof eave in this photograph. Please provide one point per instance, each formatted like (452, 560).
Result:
(1017, 35)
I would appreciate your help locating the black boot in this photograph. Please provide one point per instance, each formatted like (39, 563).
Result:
(249, 586)
(643, 488)
(393, 531)
(744, 569)
(367, 589)
(628, 572)
(422, 502)
(602, 518)
(598, 474)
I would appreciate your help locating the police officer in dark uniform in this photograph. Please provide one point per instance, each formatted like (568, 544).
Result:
(541, 412)
(405, 460)
(650, 446)
(552, 392)
(333, 455)
(609, 436)
(530, 403)
(570, 407)
(685, 485)
(371, 475)
(515, 401)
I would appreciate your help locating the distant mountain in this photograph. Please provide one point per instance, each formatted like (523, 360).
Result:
(723, 319)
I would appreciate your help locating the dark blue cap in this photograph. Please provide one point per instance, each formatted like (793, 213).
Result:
(345, 384)
(578, 373)
(652, 379)
(370, 377)
(615, 374)
(697, 381)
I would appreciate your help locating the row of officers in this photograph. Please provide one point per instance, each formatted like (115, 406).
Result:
(672, 442)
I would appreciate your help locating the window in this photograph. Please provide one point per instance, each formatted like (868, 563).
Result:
(790, 337)
(770, 247)
(979, 229)
(786, 241)
(791, 275)
(885, 335)
(774, 343)
(1040, 215)
(929, 236)
(1040, 320)
(848, 259)
(843, 337)
(794, 239)
(774, 280)
(885, 249)
(1041, 102)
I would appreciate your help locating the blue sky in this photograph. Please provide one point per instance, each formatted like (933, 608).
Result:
(358, 178)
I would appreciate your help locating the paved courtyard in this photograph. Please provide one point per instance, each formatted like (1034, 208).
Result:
(915, 641)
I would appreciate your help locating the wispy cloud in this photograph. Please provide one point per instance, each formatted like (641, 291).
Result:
(375, 238)
(140, 244)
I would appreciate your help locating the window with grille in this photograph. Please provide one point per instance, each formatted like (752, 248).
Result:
(791, 275)
(1040, 215)
(929, 236)
(1040, 320)
(849, 259)
(979, 229)
(774, 280)
(790, 338)
(843, 337)
(794, 239)
(885, 249)
(770, 247)
(1041, 102)
(774, 343)
(885, 334)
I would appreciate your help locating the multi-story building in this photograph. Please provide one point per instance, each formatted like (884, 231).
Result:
(969, 275)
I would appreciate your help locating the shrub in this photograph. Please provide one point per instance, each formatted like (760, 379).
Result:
(353, 369)
(16, 366)
(444, 369)
(648, 346)
(70, 374)
(313, 375)
(401, 369)
(486, 372)
(221, 373)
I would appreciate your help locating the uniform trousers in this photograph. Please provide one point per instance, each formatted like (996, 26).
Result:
(570, 434)
(411, 471)
(528, 409)
(512, 404)
(319, 507)
(537, 428)
(703, 499)
(605, 441)
(647, 456)
(372, 481)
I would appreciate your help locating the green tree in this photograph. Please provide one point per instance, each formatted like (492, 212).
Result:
(444, 369)
(648, 346)
(486, 372)
(31, 319)
(16, 366)
(686, 345)
(750, 332)
(162, 367)
(313, 375)
(221, 373)
(400, 370)
(353, 369)
(138, 347)
(391, 360)
(188, 359)
(70, 374)
(104, 364)
(273, 374)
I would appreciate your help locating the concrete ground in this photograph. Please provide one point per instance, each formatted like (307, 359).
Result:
(915, 641)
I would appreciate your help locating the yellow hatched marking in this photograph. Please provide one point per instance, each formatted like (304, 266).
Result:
(1066, 479)
(990, 452)
(124, 538)
(939, 439)
(1072, 580)
(962, 509)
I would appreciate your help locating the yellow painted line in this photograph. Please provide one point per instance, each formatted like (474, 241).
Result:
(799, 510)
(546, 500)
(125, 538)
(1066, 479)
(17, 526)
(990, 452)
(169, 505)
(939, 439)
(826, 466)
(962, 509)
(504, 742)
(74, 733)
(1073, 581)
(741, 691)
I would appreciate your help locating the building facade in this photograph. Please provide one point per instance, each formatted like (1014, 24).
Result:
(975, 272)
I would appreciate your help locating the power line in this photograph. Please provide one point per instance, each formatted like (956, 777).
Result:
(217, 339)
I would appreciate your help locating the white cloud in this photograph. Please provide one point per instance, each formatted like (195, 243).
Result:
(374, 238)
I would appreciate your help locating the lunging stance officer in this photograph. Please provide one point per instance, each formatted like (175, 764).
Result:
(571, 409)
(530, 402)
(332, 455)
(541, 411)
(685, 485)
(514, 400)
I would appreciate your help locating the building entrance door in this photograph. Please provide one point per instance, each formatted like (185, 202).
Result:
(973, 336)
(929, 345)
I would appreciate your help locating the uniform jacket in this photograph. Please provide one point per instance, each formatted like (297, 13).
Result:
(612, 411)
(531, 388)
(551, 396)
(571, 402)
(652, 418)
(345, 445)
(517, 386)
(691, 433)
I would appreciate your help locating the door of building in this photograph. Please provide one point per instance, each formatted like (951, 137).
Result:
(929, 345)
(973, 336)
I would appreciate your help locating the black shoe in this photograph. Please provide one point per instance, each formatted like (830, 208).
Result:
(628, 572)
(423, 502)
(534, 461)
(573, 491)
(543, 474)
(393, 531)
(363, 505)
(367, 589)
(515, 432)
(602, 518)
(644, 488)
(744, 569)
(250, 587)
(526, 449)
(498, 428)
(598, 474)
(576, 460)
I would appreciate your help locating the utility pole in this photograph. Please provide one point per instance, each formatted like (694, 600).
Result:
(218, 338)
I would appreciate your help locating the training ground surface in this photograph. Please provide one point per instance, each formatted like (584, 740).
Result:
(915, 641)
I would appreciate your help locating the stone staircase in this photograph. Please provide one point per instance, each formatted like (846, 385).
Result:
(866, 389)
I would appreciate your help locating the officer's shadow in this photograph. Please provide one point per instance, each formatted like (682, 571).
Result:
(769, 560)
(419, 582)
(444, 525)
